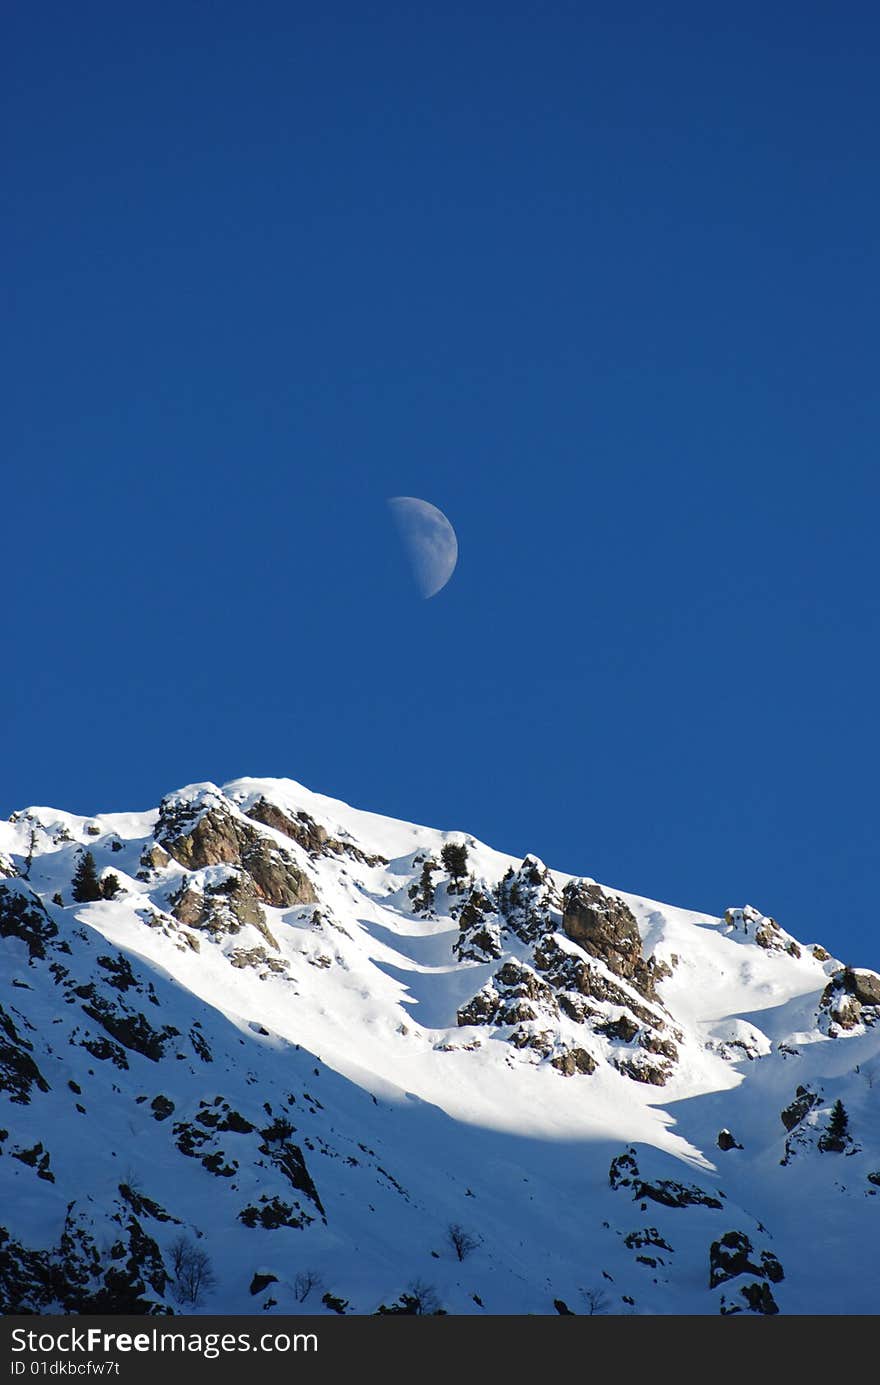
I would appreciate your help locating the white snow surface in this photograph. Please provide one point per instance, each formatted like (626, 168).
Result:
(408, 1122)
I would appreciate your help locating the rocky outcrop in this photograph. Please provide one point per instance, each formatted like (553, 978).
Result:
(794, 1113)
(23, 916)
(605, 927)
(852, 997)
(221, 905)
(479, 938)
(734, 1255)
(515, 995)
(207, 833)
(624, 1173)
(574, 1060)
(727, 1141)
(19, 1073)
(309, 834)
(529, 901)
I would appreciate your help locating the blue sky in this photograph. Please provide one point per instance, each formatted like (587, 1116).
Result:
(600, 282)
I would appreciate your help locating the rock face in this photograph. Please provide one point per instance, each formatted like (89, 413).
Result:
(624, 1173)
(212, 836)
(222, 906)
(804, 1101)
(310, 835)
(726, 1141)
(605, 927)
(734, 1255)
(863, 985)
(23, 916)
(852, 997)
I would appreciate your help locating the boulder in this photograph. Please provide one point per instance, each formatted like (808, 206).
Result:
(727, 1141)
(605, 927)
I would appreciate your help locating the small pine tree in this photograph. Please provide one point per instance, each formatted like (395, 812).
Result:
(838, 1121)
(455, 859)
(110, 886)
(85, 885)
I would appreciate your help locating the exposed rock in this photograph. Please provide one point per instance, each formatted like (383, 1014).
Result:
(605, 927)
(222, 906)
(270, 1213)
(624, 1173)
(734, 1255)
(623, 1028)
(863, 985)
(199, 836)
(18, 1071)
(308, 834)
(565, 971)
(261, 1282)
(638, 1068)
(23, 915)
(529, 901)
(422, 892)
(155, 857)
(574, 1060)
(479, 938)
(506, 998)
(727, 1141)
(793, 1114)
(648, 1236)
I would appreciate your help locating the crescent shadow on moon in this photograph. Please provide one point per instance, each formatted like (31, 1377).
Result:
(429, 540)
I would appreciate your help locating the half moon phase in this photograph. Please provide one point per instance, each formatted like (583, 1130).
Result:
(429, 540)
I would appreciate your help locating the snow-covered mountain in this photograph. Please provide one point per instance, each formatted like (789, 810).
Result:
(301, 1058)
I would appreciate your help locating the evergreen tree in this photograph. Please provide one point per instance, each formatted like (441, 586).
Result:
(454, 857)
(838, 1121)
(110, 886)
(85, 885)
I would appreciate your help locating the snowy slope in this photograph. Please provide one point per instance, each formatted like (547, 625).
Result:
(296, 1040)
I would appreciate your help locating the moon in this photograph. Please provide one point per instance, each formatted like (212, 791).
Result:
(429, 540)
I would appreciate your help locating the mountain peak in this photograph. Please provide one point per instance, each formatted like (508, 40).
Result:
(304, 1035)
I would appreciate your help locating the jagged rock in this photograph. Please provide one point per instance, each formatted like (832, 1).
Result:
(794, 1113)
(198, 837)
(513, 996)
(308, 834)
(423, 891)
(623, 1028)
(734, 1255)
(759, 1298)
(222, 906)
(154, 857)
(19, 1073)
(528, 900)
(23, 915)
(649, 1236)
(261, 1282)
(566, 971)
(624, 1173)
(864, 986)
(638, 1068)
(727, 1141)
(479, 936)
(574, 1060)
(271, 1213)
(605, 927)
